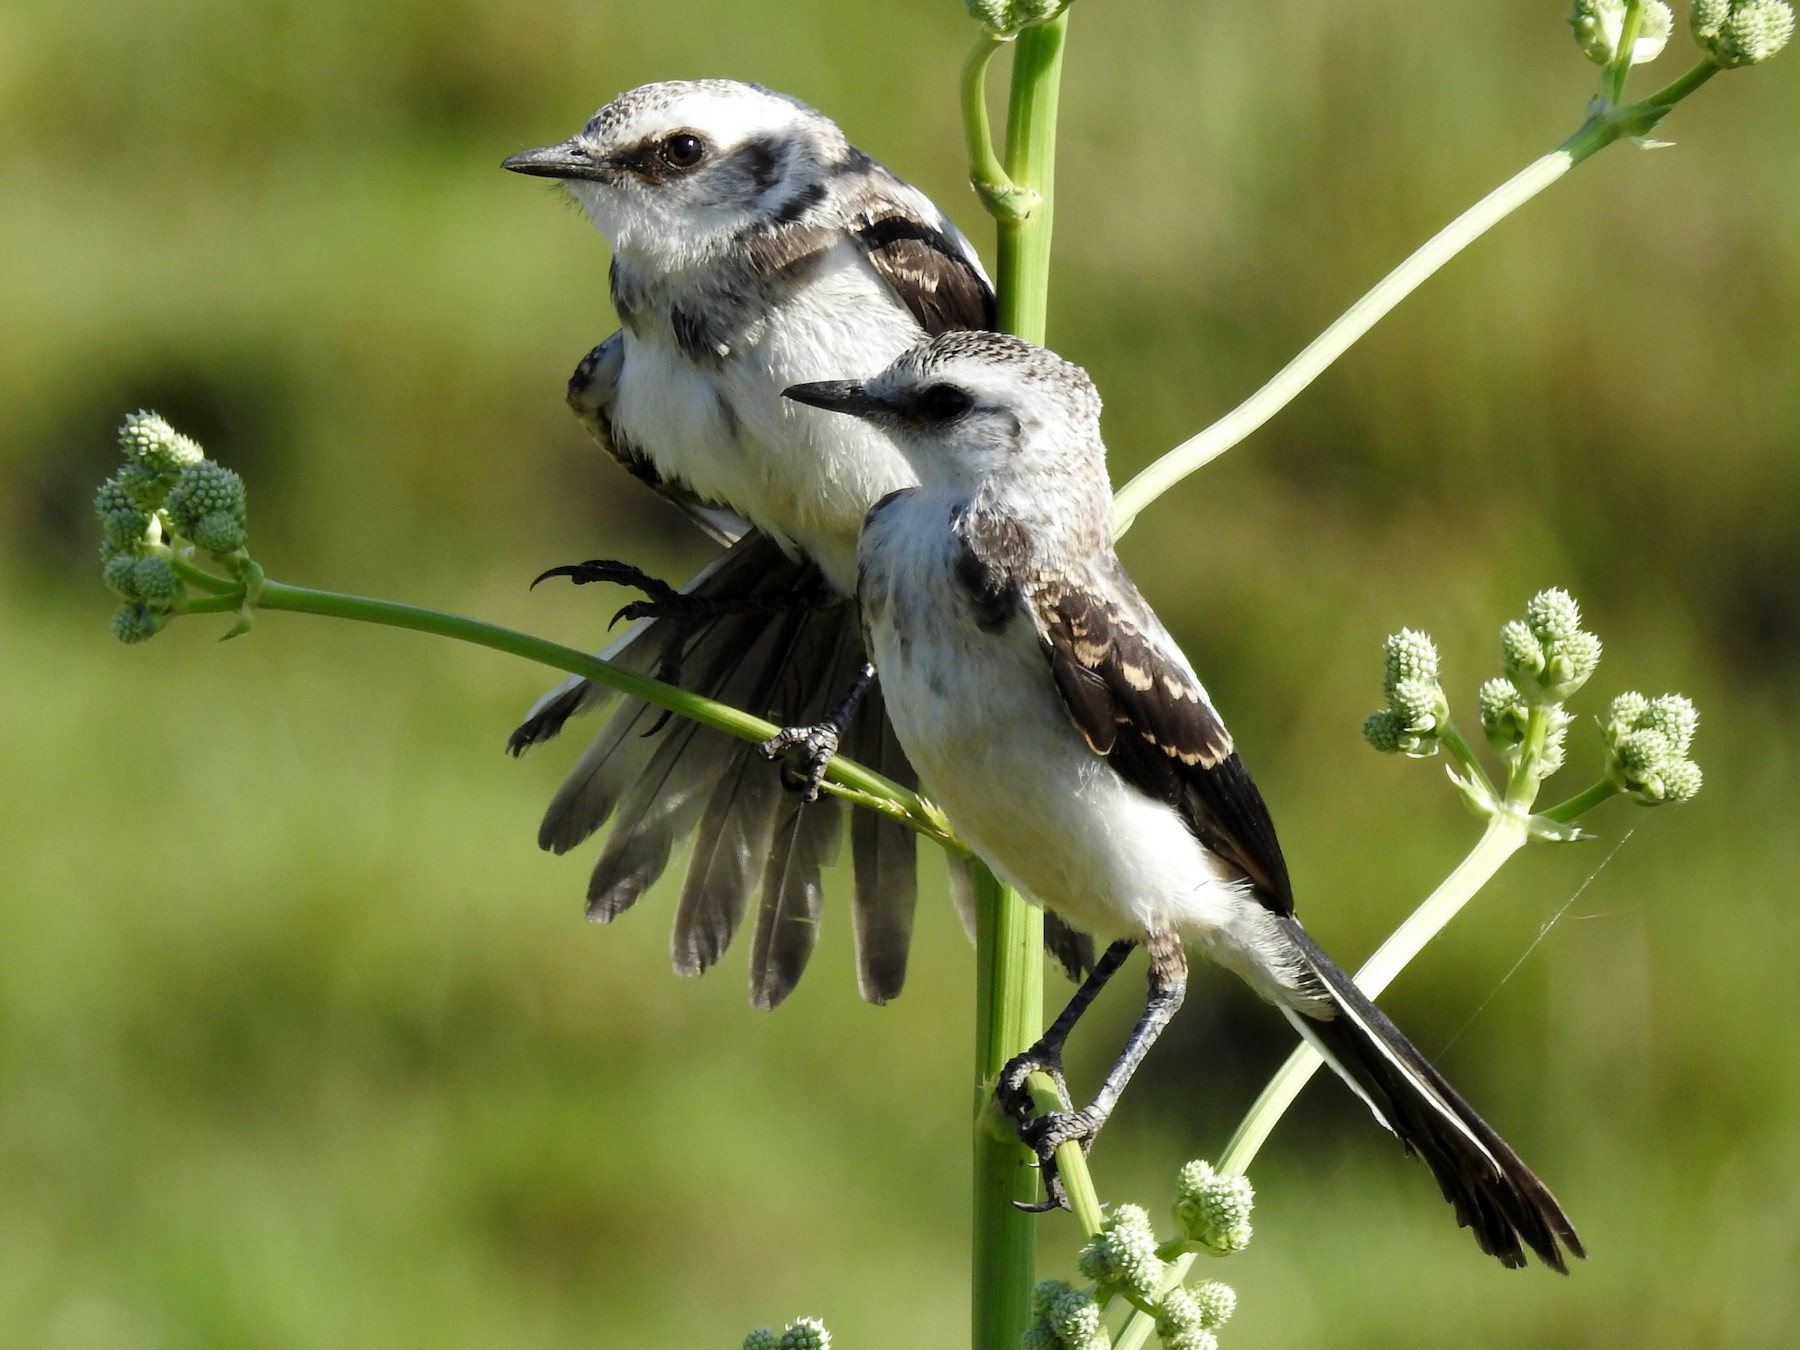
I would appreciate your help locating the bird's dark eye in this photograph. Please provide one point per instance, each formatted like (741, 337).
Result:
(941, 402)
(683, 150)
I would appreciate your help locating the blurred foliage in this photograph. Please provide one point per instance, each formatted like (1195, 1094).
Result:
(304, 1044)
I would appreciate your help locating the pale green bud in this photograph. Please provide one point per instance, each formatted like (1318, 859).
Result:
(1004, 18)
(762, 1339)
(1040, 1336)
(207, 504)
(1181, 1323)
(1213, 1209)
(1045, 1294)
(1409, 655)
(1419, 704)
(1553, 616)
(1600, 26)
(1675, 717)
(1075, 1318)
(155, 582)
(807, 1334)
(1216, 1303)
(135, 623)
(1680, 780)
(1503, 713)
(1521, 654)
(1556, 734)
(1742, 32)
(1626, 712)
(153, 444)
(1122, 1255)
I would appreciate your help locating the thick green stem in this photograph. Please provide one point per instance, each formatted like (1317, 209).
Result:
(1009, 995)
(1009, 932)
(867, 787)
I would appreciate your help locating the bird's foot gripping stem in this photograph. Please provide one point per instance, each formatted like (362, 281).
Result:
(817, 742)
(1044, 1132)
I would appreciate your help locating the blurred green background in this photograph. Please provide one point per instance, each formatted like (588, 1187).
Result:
(304, 1044)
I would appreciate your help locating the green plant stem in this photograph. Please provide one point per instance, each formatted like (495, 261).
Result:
(1009, 932)
(843, 776)
(1505, 835)
(1584, 801)
(1603, 127)
(1612, 81)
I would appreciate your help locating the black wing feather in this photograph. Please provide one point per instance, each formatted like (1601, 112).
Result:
(927, 272)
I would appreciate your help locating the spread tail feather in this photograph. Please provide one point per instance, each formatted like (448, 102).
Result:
(1494, 1193)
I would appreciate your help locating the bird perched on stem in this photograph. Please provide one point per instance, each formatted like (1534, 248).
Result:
(753, 247)
(1071, 745)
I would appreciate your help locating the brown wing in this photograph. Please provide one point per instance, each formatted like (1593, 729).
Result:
(925, 261)
(1148, 715)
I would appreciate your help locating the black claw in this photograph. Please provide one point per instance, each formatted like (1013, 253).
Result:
(816, 744)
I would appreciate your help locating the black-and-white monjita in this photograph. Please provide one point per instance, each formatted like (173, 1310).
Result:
(1069, 741)
(753, 247)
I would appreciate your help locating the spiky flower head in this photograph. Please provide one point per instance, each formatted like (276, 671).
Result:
(1066, 1318)
(136, 623)
(807, 1334)
(1213, 1208)
(155, 582)
(1006, 18)
(124, 525)
(1549, 655)
(152, 443)
(1122, 1255)
(1503, 712)
(1416, 707)
(1600, 27)
(119, 572)
(1647, 742)
(207, 504)
(1187, 1318)
(762, 1339)
(1408, 655)
(1742, 32)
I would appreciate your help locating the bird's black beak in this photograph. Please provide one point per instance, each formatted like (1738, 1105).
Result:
(567, 160)
(845, 396)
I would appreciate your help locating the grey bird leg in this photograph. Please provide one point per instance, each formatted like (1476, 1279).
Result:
(1043, 1134)
(819, 742)
(667, 604)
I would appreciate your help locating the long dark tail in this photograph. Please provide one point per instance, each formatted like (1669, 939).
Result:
(1494, 1193)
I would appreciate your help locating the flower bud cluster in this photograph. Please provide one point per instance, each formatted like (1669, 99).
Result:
(1187, 1318)
(167, 491)
(1007, 18)
(1548, 655)
(1122, 1255)
(1600, 27)
(1742, 32)
(1064, 1318)
(1416, 707)
(1213, 1208)
(808, 1333)
(1647, 742)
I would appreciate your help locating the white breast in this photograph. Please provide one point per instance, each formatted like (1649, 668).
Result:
(803, 475)
(981, 719)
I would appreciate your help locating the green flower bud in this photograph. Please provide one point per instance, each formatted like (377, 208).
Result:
(807, 1334)
(1382, 730)
(1556, 734)
(119, 572)
(1122, 1255)
(1600, 26)
(155, 582)
(1181, 1323)
(1004, 18)
(1521, 654)
(1045, 1294)
(1419, 704)
(1742, 32)
(134, 623)
(1213, 1209)
(1075, 1318)
(1040, 1336)
(1553, 616)
(151, 443)
(1409, 655)
(207, 504)
(1680, 780)
(1503, 713)
(1675, 717)
(1216, 1303)
(1627, 712)
(1642, 752)
(762, 1339)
